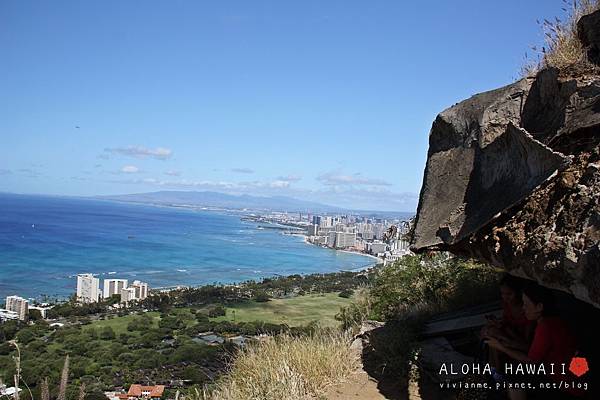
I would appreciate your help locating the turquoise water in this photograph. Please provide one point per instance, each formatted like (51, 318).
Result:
(46, 241)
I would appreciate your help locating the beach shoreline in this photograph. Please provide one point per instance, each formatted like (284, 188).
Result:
(364, 268)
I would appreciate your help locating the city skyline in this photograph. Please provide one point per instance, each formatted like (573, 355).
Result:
(320, 102)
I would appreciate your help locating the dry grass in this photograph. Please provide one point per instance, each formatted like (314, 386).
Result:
(562, 48)
(289, 368)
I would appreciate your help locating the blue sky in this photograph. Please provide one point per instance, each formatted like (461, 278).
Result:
(330, 101)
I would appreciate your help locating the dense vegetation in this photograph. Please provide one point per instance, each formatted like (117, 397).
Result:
(406, 293)
(156, 341)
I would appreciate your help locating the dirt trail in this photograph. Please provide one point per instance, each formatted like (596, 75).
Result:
(360, 386)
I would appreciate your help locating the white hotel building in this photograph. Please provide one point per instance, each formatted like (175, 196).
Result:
(113, 286)
(18, 305)
(88, 288)
(137, 291)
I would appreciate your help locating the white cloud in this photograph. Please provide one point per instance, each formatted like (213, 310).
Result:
(5, 171)
(29, 173)
(173, 173)
(367, 198)
(130, 169)
(277, 184)
(182, 183)
(242, 170)
(159, 153)
(289, 178)
(335, 178)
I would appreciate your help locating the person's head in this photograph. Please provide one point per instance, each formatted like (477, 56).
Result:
(537, 302)
(510, 290)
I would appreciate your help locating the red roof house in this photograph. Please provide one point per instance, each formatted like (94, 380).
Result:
(144, 392)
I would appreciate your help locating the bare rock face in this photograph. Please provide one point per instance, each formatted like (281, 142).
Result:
(588, 30)
(513, 179)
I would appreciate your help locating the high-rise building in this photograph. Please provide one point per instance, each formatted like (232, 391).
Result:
(313, 230)
(88, 288)
(137, 291)
(331, 239)
(376, 247)
(141, 290)
(113, 286)
(127, 294)
(326, 221)
(344, 239)
(18, 305)
(341, 240)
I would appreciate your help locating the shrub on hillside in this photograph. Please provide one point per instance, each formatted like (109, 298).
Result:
(352, 316)
(420, 285)
(107, 333)
(261, 297)
(436, 283)
(216, 311)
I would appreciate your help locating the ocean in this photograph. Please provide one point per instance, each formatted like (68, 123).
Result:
(46, 241)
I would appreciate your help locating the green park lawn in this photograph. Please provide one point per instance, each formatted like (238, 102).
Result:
(295, 311)
(119, 324)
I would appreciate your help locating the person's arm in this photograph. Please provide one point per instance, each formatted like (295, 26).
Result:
(512, 353)
(515, 343)
(537, 351)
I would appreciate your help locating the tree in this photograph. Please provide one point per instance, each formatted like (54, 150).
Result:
(216, 311)
(95, 395)
(35, 315)
(25, 336)
(171, 322)
(193, 374)
(107, 333)
(261, 296)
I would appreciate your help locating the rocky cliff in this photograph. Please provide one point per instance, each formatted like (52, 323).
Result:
(513, 177)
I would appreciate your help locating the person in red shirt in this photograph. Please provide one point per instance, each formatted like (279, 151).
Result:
(514, 330)
(553, 341)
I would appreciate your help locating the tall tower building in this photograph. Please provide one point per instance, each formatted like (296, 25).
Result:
(141, 290)
(88, 288)
(19, 305)
(113, 286)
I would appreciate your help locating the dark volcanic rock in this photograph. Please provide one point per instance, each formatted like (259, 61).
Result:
(480, 163)
(455, 142)
(588, 30)
(513, 179)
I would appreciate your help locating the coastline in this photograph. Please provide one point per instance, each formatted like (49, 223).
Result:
(168, 247)
(366, 267)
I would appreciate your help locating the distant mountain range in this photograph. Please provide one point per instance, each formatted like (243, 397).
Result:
(245, 201)
(222, 200)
